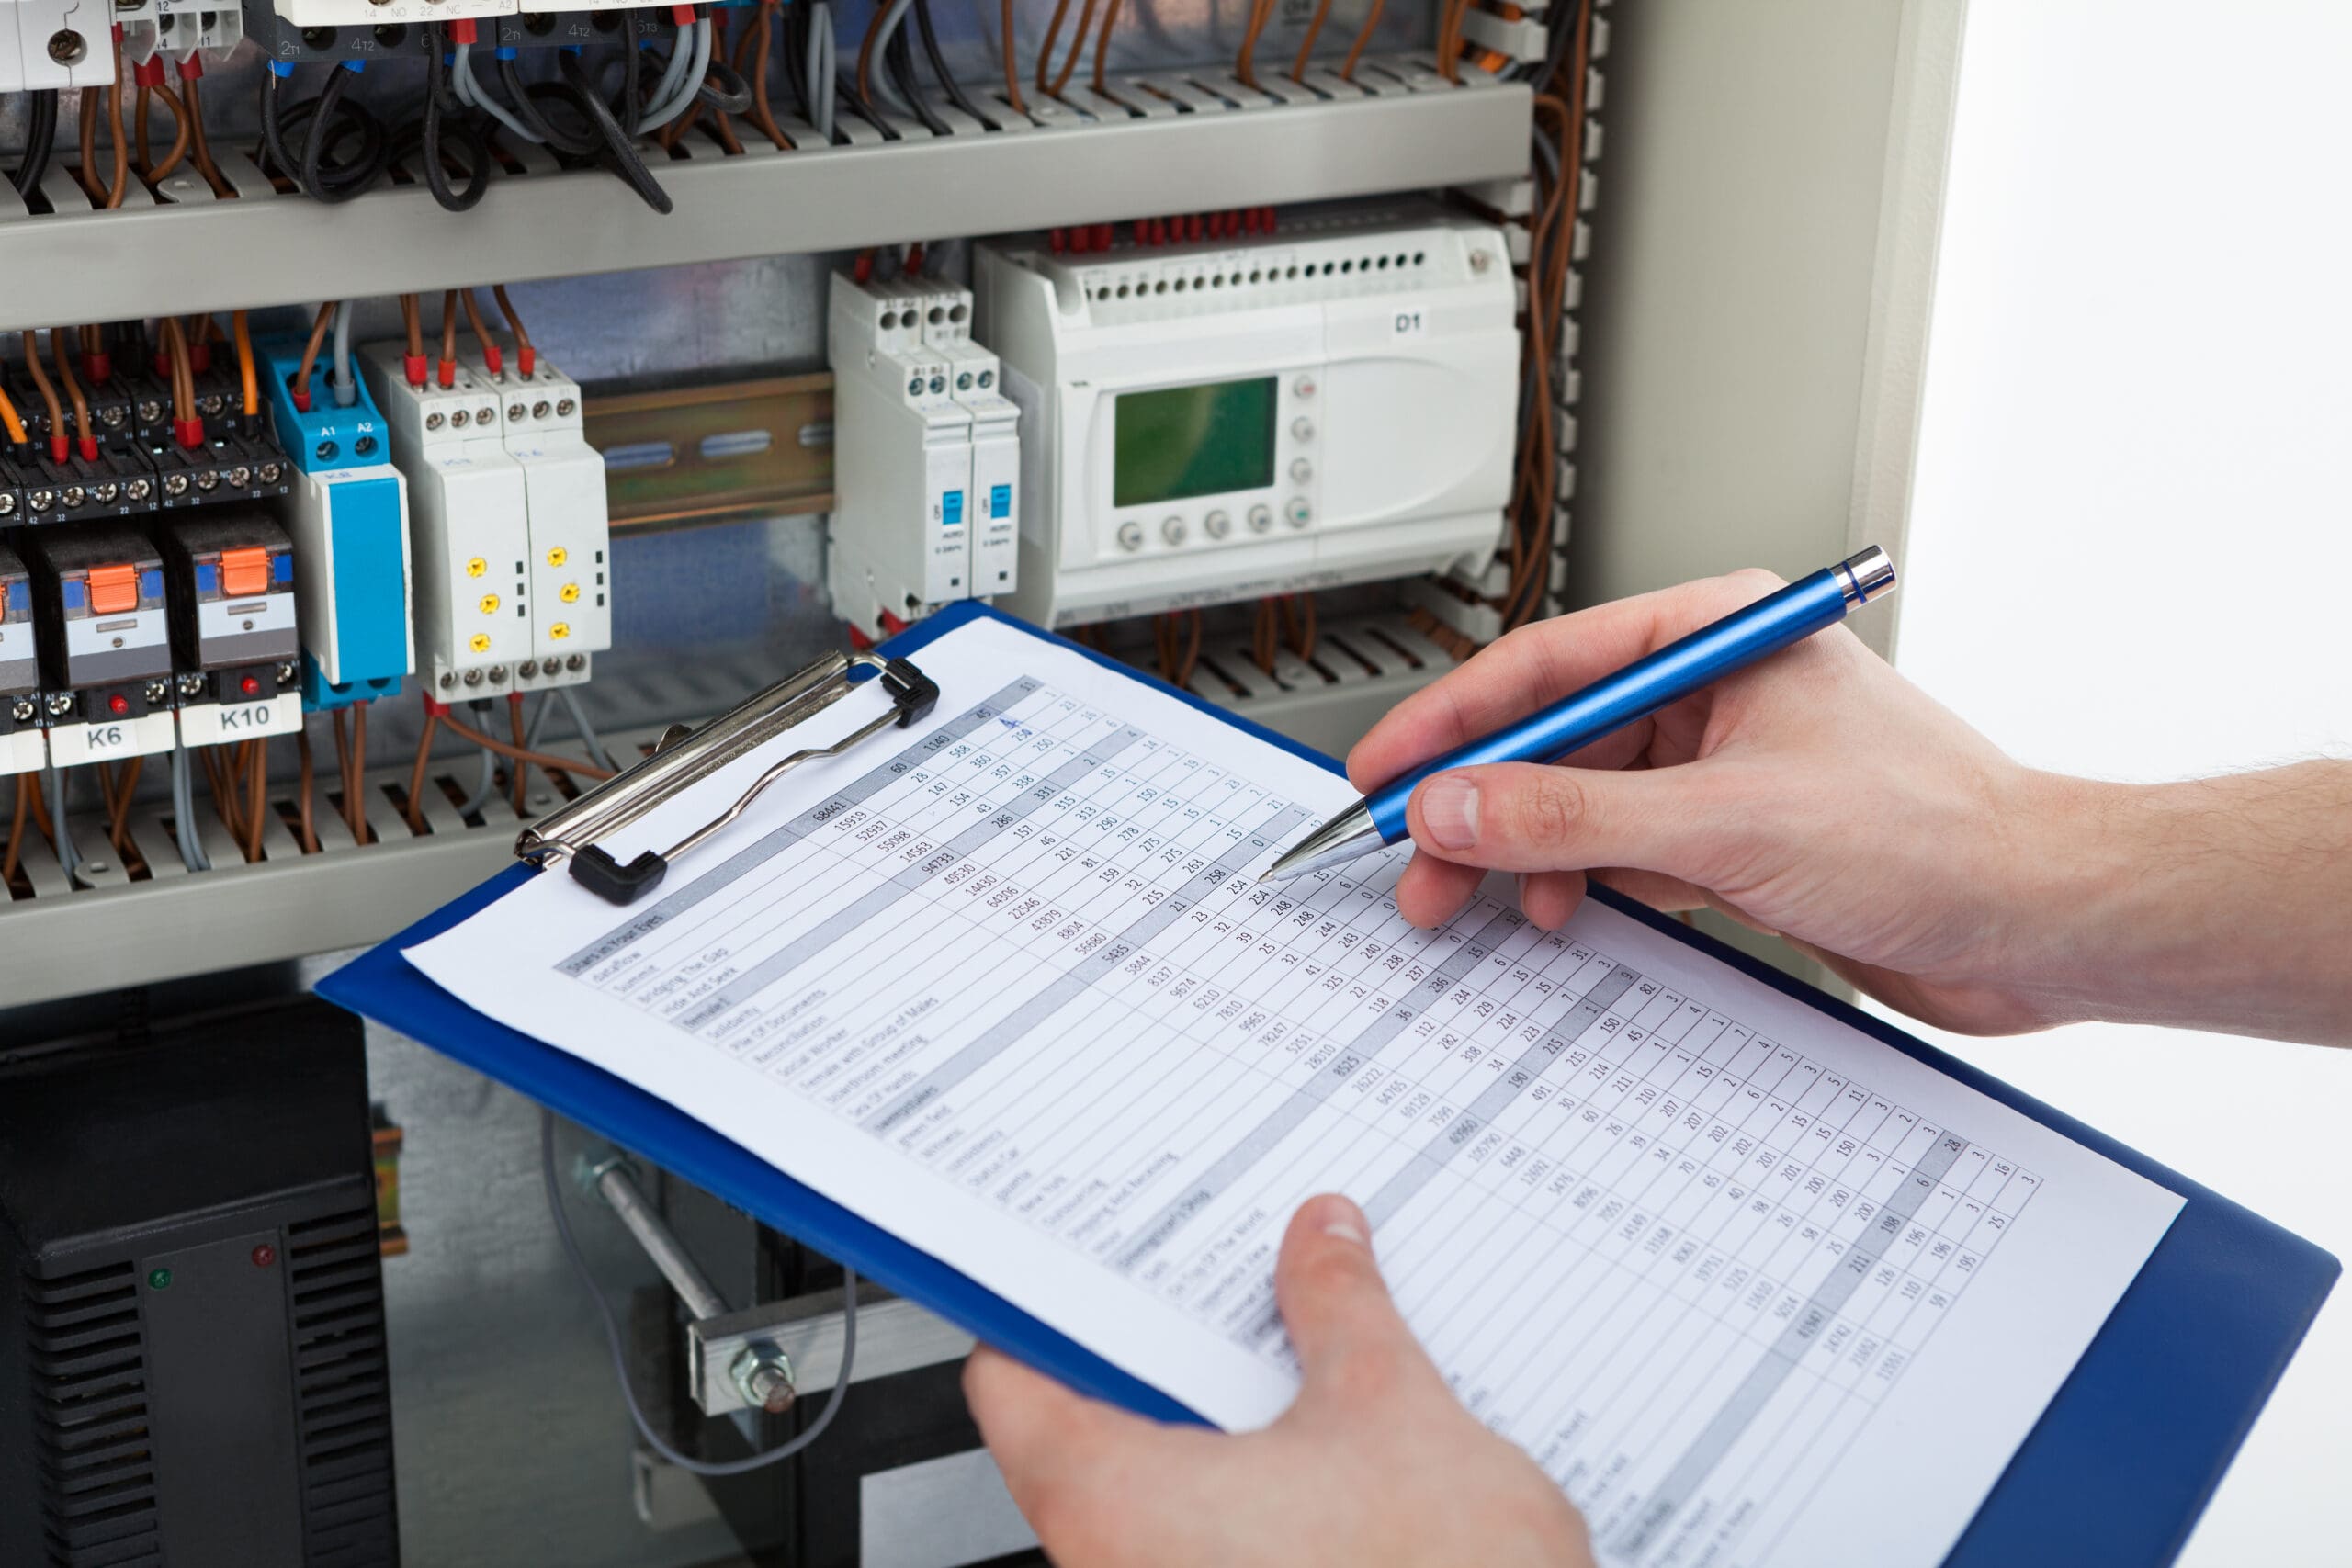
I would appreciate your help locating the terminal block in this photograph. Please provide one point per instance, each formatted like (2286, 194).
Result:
(469, 521)
(23, 748)
(118, 482)
(54, 43)
(105, 640)
(228, 580)
(540, 423)
(347, 513)
(976, 381)
(902, 528)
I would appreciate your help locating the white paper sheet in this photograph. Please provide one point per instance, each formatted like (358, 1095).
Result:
(1753, 1287)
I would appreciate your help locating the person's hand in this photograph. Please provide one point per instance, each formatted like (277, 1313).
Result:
(1817, 795)
(1375, 1464)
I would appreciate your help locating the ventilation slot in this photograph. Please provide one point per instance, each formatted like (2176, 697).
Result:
(342, 1392)
(89, 1357)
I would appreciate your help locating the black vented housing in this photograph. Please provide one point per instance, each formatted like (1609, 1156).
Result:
(192, 1357)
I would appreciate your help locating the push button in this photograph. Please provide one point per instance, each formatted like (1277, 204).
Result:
(1131, 536)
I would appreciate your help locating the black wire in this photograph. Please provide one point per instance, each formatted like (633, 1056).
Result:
(733, 93)
(40, 135)
(899, 59)
(632, 106)
(796, 58)
(333, 123)
(849, 93)
(426, 139)
(939, 66)
(620, 153)
(527, 97)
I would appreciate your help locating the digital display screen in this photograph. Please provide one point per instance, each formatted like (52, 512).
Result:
(1188, 441)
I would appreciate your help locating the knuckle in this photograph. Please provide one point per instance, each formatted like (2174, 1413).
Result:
(1553, 809)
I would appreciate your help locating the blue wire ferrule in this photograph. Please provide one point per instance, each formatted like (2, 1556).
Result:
(506, 51)
(354, 66)
(281, 68)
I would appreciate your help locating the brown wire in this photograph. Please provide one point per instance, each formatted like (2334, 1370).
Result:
(183, 379)
(200, 150)
(40, 808)
(141, 103)
(514, 720)
(15, 834)
(120, 186)
(413, 322)
(57, 348)
(224, 798)
(86, 172)
(1102, 46)
(1078, 37)
(1245, 65)
(482, 339)
(354, 792)
(117, 814)
(40, 384)
(1265, 639)
(256, 795)
(449, 327)
(513, 319)
(415, 812)
(306, 785)
(1449, 39)
(183, 135)
(311, 350)
(1307, 44)
(1013, 65)
(1045, 47)
(469, 734)
(751, 60)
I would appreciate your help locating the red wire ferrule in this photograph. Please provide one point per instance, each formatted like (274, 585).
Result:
(89, 449)
(200, 357)
(415, 363)
(162, 364)
(60, 448)
(1058, 241)
(461, 30)
(301, 400)
(191, 67)
(188, 433)
(490, 356)
(527, 360)
(1101, 236)
(438, 710)
(447, 373)
(892, 623)
(98, 367)
(147, 72)
(683, 15)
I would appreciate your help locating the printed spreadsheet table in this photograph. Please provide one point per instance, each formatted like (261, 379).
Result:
(1673, 1253)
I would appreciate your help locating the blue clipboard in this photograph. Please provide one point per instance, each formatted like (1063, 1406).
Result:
(2116, 1472)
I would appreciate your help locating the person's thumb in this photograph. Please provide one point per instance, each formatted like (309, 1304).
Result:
(1523, 817)
(1351, 1343)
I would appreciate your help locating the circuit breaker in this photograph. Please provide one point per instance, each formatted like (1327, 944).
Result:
(469, 523)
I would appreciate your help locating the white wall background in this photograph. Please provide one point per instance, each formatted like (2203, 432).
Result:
(2131, 550)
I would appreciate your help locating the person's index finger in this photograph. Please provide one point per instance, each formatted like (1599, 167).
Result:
(1539, 664)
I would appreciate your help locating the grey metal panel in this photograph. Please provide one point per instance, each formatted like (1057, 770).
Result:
(1759, 288)
(67, 268)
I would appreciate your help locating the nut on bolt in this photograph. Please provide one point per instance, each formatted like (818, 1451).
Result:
(763, 1375)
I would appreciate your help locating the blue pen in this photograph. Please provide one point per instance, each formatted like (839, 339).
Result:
(1610, 703)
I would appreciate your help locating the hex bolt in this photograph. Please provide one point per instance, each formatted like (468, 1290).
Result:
(763, 1375)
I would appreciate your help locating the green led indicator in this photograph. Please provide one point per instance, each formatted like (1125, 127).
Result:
(159, 1278)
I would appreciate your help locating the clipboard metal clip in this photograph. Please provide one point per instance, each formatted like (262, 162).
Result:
(575, 833)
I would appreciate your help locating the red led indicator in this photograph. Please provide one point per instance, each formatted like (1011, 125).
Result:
(264, 1255)
(249, 685)
(117, 704)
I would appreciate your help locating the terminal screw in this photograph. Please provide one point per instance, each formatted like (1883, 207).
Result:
(448, 682)
(539, 410)
(529, 668)
(7, 503)
(432, 421)
(191, 684)
(473, 677)
(22, 710)
(364, 446)
(175, 484)
(240, 477)
(485, 416)
(286, 674)
(325, 451)
(105, 493)
(577, 662)
(66, 47)
(151, 412)
(60, 704)
(74, 495)
(111, 416)
(563, 407)
(39, 499)
(208, 478)
(497, 673)
(269, 472)
(515, 411)
(763, 1376)
(157, 691)
(457, 420)
(138, 490)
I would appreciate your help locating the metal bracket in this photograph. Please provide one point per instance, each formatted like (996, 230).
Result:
(804, 1335)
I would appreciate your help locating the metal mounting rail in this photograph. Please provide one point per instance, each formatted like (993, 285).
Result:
(1174, 143)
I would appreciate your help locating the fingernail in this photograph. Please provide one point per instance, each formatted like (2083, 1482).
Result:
(1347, 1222)
(1449, 811)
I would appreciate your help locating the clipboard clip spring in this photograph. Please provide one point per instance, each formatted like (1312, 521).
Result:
(574, 833)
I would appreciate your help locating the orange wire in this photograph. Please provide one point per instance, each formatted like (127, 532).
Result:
(1364, 36)
(1307, 44)
(246, 383)
(8, 418)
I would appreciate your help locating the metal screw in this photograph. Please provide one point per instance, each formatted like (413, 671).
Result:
(191, 684)
(364, 446)
(60, 703)
(485, 416)
(563, 407)
(473, 677)
(138, 490)
(210, 405)
(286, 674)
(105, 493)
(539, 410)
(39, 499)
(447, 680)
(1480, 261)
(963, 381)
(157, 691)
(914, 386)
(151, 411)
(208, 478)
(269, 472)
(22, 710)
(763, 1375)
(327, 451)
(240, 477)
(74, 495)
(987, 378)
(497, 673)
(66, 47)
(7, 503)
(112, 417)
(515, 411)
(432, 421)
(175, 484)
(577, 662)
(457, 420)
(530, 667)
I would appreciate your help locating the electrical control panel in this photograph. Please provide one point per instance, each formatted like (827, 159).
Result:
(539, 414)
(1221, 419)
(105, 639)
(22, 749)
(926, 454)
(228, 580)
(53, 44)
(469, 522)
(347, 514)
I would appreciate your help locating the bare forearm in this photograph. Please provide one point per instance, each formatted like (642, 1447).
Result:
(2222, 904)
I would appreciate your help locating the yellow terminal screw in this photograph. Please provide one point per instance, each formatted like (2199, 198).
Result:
(558, 556)
(476, 567)
(490, 604)
(560, 630)
(481, 643)
(569, 593)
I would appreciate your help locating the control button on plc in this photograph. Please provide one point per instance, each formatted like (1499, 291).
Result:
(1303, 388)
(1301, 429)
(1131, 534)
(1298, 512)
(1301, 470)
(1262, 518)
(1217, 524)
(1173, 530)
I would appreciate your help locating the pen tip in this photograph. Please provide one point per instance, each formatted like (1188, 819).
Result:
(1266, 876)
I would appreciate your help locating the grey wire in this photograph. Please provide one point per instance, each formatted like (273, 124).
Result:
(620, 1360)
(665, 110)
(346, 391)
(823, 54)
(484, 789)
(579, 712)
(883, 28)
(539, 716)
(472, 92)
(60, 834)
(191, 843)
(674, 71)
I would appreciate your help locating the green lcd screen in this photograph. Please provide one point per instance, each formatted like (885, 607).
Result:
(1188, 441)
